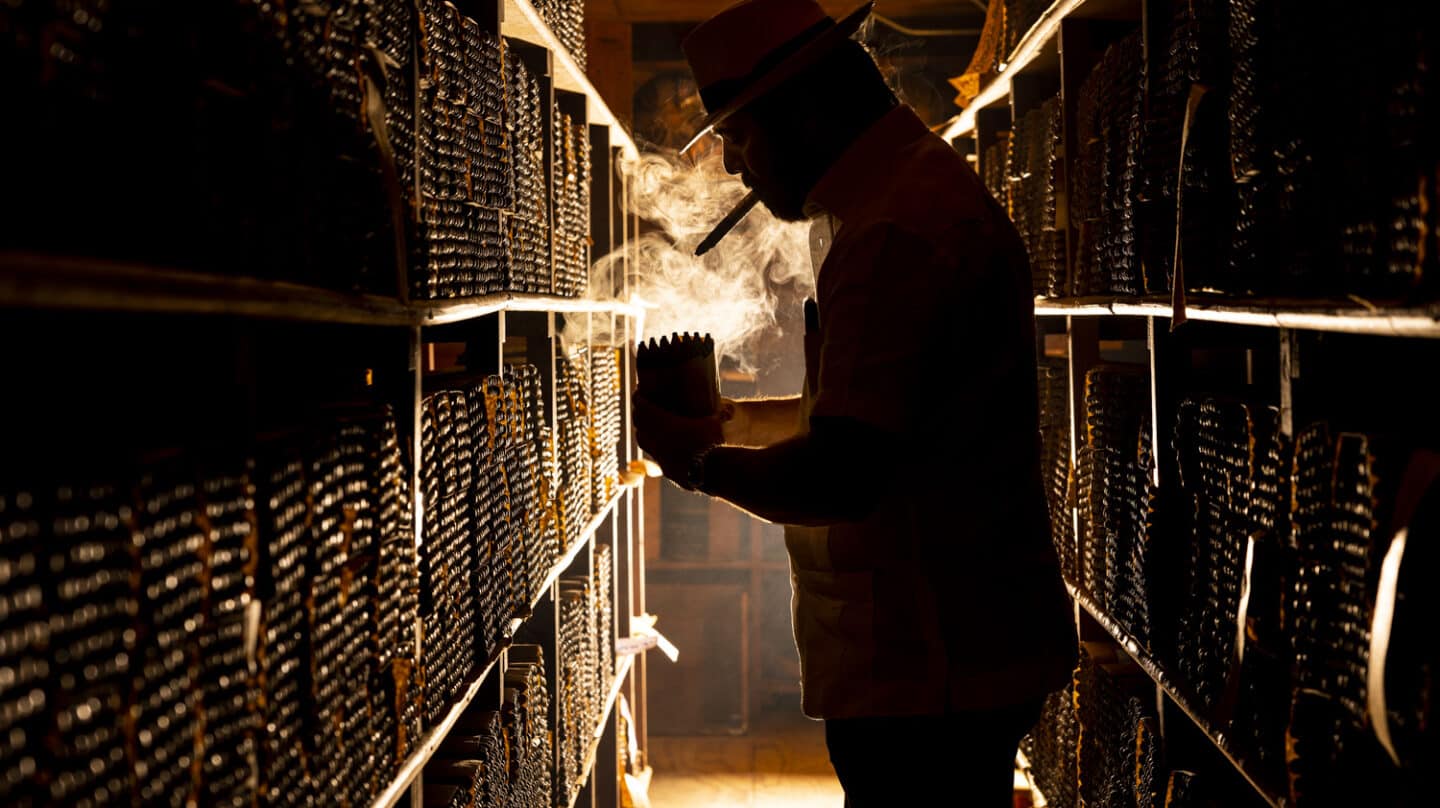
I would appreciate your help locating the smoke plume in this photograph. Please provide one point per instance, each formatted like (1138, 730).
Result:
(732, 291)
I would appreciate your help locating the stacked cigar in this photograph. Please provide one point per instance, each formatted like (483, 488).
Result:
(528, 226)
(1107, 719)
(995, 169)
(284, 650)
(466, 176)
(573, 441)
(525, 476)
(501, 573)
(1339, 210)
(1050, 748)
(1218, 444)
(471, 767)
(498, 759)
(1189, 49)
(532, 500)
(448, 564)
(1387, 213)
(571, 196)
(208, 628)
(1252, 159)
(525, 715)
(1097, 741)
(226, 516)
(339, 611)
(1087, 186)
(517, 405)
(578, 687)
(1273, 198)
(1107, 172)
(1265, 677)
(1338, 534)
(1054, 386)
(1130, 585)
(185, 100)
(169, 544)
(1151, 786)
(605, 426)
(332, 638)
(396, 696)
(492, 527)
(1269, 631)
(390, 27)
(1035, 170)
(366, 703)
(586, 666)
(566, 19)
(1250, 51)
(603, 586)
(79, 700)
(1112, 489)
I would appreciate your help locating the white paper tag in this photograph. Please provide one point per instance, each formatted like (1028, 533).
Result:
(1381, 624)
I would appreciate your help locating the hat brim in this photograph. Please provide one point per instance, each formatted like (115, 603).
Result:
(806, 56)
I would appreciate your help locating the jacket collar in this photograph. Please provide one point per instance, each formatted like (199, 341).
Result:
(866, 165)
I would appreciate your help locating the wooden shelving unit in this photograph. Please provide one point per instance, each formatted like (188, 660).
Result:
(1353, 363)
(531, 327)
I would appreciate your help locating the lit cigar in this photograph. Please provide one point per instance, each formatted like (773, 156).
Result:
(728, 223)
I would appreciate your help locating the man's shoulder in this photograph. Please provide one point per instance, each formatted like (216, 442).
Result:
(931, 193)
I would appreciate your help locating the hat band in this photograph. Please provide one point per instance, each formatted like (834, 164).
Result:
(720, 93)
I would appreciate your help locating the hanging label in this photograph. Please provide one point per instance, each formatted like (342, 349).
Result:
(1381, 625)
(1177, 285)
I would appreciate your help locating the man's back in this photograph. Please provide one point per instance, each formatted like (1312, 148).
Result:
(947, 596)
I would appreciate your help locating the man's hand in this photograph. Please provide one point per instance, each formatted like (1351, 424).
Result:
(673, 440)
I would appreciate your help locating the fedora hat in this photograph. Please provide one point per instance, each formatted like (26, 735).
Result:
(753, 46)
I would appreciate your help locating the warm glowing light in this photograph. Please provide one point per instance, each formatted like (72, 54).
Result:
(727, 293)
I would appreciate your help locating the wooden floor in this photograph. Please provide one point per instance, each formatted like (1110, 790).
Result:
(781, 763)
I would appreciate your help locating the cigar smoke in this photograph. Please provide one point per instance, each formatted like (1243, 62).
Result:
(731, 292)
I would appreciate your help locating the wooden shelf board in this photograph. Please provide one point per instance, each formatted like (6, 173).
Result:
(520, 20)
(1158, 675)
(441, 312)
(58, 282)
(1336, 316)
(431, 741)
